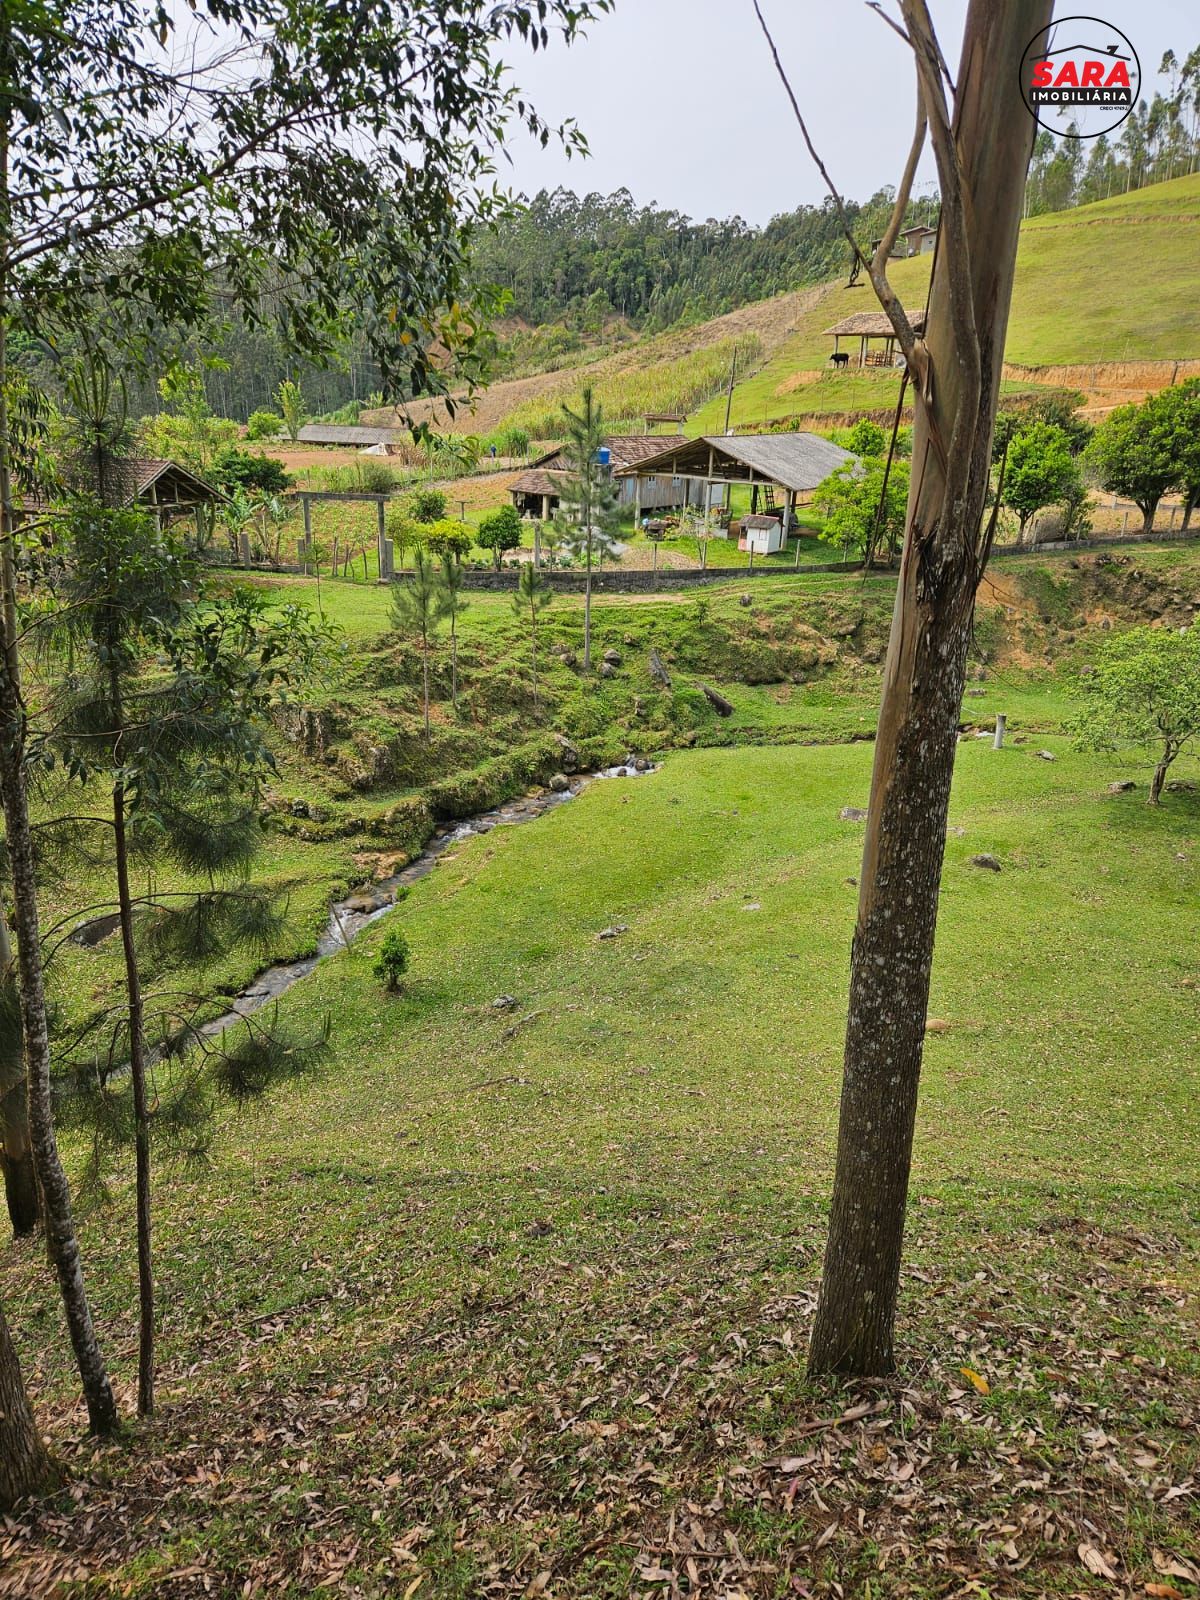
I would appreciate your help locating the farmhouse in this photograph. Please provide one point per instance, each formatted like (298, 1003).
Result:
(868, 327)
(701, 471)
(918, 241)
(536, 491)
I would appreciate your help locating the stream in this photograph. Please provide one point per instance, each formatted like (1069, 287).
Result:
(348, 917)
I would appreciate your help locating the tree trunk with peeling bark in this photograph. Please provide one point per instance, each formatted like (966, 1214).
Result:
(924, 679)
(25, 1467)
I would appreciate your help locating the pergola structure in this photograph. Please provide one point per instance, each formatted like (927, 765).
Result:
(868, 326)
(793, 463)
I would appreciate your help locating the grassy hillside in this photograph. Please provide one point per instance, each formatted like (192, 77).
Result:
(513, 1299)
(1112, 282)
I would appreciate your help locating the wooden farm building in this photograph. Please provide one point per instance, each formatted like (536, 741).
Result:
(536, 491)
(353, 436)
(782, 470)
(918, 241)
(870, 328)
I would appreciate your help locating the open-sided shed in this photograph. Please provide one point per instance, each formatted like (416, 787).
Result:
(870, 327)
(792, 464)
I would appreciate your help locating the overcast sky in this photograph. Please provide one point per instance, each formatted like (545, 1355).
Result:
(681, 105)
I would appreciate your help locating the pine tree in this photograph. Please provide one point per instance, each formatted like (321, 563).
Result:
(533, 595)
(453, 603)
(416, 611)
(162, 706)
(587, 518)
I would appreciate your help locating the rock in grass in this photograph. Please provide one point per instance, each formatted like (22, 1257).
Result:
(504, 1002)
(658, 670)
(989, 862)
(613, 657)
(607, 670)
(1125, 786)
(852, 814)
(1047, 755)
(614, 931)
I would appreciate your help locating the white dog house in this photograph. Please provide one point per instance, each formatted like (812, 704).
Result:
(763, 535)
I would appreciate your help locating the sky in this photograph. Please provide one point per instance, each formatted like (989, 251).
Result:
(680, 103)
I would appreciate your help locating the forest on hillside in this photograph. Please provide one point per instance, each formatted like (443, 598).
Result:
(579, 269)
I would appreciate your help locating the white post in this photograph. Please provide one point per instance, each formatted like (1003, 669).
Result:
(1001, 723)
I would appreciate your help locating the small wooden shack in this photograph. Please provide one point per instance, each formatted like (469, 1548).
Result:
(918, 241)
(872, 328)
(536, 492)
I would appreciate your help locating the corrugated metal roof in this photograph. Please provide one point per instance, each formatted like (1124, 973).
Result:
(797, 461)
(349, 434)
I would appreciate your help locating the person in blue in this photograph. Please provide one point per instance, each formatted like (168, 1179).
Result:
(493, 452)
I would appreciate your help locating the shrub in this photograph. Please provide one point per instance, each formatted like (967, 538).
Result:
(375, 476)
(445, 537)
(392, 961)
(427, 505)
(499, 530)
(264, 425)
(866, 438)
(242, 469)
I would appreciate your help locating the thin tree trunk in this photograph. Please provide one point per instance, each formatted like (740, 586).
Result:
(1189, 505)
(533, 651)
(587, 610)
(1148, 516)
(16, 1147)
(61, 1244)
(425, 679)
(923, 684)
(1160, 776)
(25, 1468)
(137, 1078)
(454, 661)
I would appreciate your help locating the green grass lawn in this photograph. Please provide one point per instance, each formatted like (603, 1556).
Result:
(512, 1299)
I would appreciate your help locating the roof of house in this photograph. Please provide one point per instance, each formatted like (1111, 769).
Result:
(348, 434)
(797, 461)
(139, 475)
(874, 324)
(536, 482)
(625, 449)
(148, 479)
(920, 227)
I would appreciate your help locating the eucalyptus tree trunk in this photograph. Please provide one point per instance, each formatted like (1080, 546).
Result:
(923, 683)
(16, 1147)
(61, 1243)
(25, 1467)
(137, 1065)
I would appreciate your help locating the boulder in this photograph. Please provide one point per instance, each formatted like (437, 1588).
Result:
(568, 754)
(613, 657)
(560, 783)
(988, 862)
(1125, 786)
(641, 764)
(1047, 755)
(745, 600)
(607, 670)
